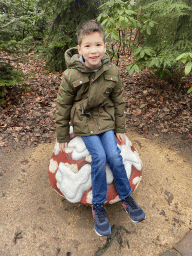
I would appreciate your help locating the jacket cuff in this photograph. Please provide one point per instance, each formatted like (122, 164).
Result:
(120, 130)
(63, 139)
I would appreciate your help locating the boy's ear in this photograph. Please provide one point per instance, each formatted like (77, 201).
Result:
(79, 49)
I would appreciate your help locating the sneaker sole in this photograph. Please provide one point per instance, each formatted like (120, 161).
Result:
(134, 220)
(138, 220)
(108, 233)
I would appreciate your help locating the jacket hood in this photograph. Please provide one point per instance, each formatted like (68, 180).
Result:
(72, 60)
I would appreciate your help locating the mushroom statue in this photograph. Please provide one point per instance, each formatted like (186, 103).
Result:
(70, 171)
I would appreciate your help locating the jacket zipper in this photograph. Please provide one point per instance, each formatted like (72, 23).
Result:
(107, 112)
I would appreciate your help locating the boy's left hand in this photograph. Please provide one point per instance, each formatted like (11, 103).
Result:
(121, 137)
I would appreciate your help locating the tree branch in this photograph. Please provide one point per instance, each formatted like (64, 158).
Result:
(8, 23)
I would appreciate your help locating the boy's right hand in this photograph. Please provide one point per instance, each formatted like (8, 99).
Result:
(62, 146)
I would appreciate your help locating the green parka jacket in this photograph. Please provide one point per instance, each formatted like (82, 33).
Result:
(92, 101)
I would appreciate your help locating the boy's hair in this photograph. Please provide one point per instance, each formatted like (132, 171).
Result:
(88, 28)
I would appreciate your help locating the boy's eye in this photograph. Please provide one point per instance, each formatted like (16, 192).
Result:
(86, 46)
(98, 44)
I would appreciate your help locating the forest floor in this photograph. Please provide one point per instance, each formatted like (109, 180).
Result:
(37, 221)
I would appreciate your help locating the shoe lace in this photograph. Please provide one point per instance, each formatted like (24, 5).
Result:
(132, 203)
(101, 213)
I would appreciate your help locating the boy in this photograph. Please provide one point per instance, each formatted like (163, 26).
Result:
(91, 97)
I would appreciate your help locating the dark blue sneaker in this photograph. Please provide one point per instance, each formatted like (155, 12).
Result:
(135, 212)
(101, 223)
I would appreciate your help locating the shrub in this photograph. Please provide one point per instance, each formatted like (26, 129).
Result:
(119, 19)
(186, 59)
(169, 37)
(9, 78)
(160, 31)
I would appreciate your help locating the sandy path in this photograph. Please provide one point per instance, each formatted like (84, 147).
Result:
(35, 220)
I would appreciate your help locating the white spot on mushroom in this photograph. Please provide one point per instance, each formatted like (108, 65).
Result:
(68, 150)
(57, 184)
(56, 149)
(73, 185)
(53, 166)
(73, 167)
(89, 197)
(137, 181)
(115, 200)
(80, 149)
(88, 158)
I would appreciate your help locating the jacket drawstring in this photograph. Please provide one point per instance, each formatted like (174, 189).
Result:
(82, 108)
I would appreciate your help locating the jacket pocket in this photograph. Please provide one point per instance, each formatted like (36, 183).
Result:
(108, 85)
(80, 81)
(79, 120)
(111, 78)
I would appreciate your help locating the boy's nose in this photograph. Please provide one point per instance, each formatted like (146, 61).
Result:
(93, 49)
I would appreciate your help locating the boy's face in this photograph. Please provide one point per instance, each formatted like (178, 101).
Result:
(92, 48)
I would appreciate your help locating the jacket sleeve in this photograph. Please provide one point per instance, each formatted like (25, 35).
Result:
(119, 104)
(65, 99)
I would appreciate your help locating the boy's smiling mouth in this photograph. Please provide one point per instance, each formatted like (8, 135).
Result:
(94, 57)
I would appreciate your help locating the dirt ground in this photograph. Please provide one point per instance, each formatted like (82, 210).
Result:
(35, 220)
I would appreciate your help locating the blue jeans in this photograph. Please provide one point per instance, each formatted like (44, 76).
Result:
(103, 149)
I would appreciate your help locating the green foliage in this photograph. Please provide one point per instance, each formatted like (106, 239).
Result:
(21, 23)
(186, 59)
(142, 56)
(117, 17)
(9, 77)
(20, 19)
(190, 90)
(168, 37)
(155, 31)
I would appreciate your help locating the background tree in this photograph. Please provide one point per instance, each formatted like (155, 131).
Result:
(45, 26)
(156, 32)
(119, 18)
(67, 15)
(21, 22)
